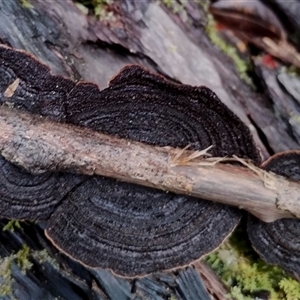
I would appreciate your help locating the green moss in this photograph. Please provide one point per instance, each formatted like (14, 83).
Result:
(99, 8)
(294, 118)
(21, 258)
(243, 66)
(6, 281)
(168, 3)
(247, 276)
(43, 256)
(12, 225)
(291, 288)
(174, 6)
(26, 4)
(237, 294)
(291, 70)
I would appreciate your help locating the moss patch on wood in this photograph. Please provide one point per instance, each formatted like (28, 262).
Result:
(174, 6)
(247, 276)
(43, 256)
(21, 258)
(24, 259)
(99, 8)
(6, 281)
(26, 3)
(12, 225)
(243, 66)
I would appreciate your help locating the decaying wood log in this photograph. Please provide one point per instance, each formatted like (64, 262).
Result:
(40, 145)
(81, 47)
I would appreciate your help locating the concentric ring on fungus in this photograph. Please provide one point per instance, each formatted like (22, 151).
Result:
(130, 229)
(278, 242)
(24, 196)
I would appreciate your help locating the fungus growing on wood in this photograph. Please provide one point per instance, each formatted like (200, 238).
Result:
(38, 91)
(252, 17)
(130, 229)
(145, 107)
(25, 196)
(134, 230)
(278, 242)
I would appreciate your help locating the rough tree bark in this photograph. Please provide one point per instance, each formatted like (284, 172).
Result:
(80, 47)
(40, 145)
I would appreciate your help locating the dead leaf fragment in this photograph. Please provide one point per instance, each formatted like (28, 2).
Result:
(9, 92)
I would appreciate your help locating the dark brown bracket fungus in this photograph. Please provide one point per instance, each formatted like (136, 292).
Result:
(278, 242)
(24, 196)
(134, 230)
(129, 229)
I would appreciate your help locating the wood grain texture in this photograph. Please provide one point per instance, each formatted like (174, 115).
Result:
(81, 47)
